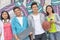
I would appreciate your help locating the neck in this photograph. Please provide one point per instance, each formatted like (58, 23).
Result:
(5, 19)
(35, 13)
(19, 16)
(50, 13)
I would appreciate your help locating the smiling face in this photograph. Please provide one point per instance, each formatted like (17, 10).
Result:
(49, 9)
(34, 8)
(17, 12)
(4, 15)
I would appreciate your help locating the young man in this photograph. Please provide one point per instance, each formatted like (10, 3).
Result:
(19, 24)
(35, 20)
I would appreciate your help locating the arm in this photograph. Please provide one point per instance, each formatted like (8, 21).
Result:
(29, 23)
(14, 30)
(42, 17)
(16, 37)
(58, 19)
(1, 28)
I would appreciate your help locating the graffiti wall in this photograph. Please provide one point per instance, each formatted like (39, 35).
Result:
(25, 5)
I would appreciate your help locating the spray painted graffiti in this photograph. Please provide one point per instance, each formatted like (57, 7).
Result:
(25, 6)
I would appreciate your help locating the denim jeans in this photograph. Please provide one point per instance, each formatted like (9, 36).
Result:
(52, 36)
(58, 35)
(41, 37)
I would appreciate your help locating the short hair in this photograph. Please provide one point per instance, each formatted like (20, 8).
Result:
(7, 14)
(34, 3)
(51, 7)
(15, 8)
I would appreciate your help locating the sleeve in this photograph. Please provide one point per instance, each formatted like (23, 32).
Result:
(29, 21)
(26, 23)
(30, 24)
(1, 27)
(58, 19)
(42, 17)
(13, 26)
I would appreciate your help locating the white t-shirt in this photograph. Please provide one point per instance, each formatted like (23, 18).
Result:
(20, 19)
(38, 27)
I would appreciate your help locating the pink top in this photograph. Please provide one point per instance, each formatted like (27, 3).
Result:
(7, 31)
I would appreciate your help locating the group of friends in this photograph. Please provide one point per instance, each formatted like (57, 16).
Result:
(21, 27)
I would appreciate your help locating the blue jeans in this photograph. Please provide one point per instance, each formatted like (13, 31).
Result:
(52, 36)
(58, 35)
(41, 37)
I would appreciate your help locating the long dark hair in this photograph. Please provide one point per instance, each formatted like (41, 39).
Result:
(7, 14)
(52, 9)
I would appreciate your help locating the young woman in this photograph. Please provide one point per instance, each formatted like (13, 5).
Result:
(53, 18)
(6, 25)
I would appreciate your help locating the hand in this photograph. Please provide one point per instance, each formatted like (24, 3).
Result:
(52, 21)
(31, 33)
(0, 35)
(17, 38)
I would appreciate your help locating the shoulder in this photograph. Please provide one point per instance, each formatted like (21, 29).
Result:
(41, 14)
(30, 16)
(25, 17)
(1, 22)
(56, 15)
(12, 19)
